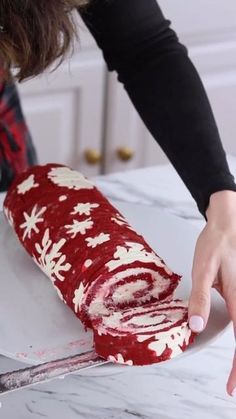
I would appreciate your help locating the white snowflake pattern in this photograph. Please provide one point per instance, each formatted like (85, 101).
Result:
(27, 185)
(78, 296)
(120, 220)
(95, 241)
(50, 259)
(71, 179)
(163, 340)
(135, 252)
(119, 359)
(84, 208)
(31, 221)
(8, 215)
(79, 227)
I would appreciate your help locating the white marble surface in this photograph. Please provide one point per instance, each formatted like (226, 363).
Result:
(193, 387)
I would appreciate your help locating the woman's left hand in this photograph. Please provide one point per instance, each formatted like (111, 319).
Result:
(214, 265)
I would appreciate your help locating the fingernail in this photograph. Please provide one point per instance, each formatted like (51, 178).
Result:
(196, 323)
(233, 394)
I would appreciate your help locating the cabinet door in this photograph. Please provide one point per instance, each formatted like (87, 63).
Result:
(208, 29)
(125, 132)
(217, 67)
(64, 111)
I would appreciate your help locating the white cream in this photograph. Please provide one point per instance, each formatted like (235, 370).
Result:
(68, 178)
(141, 324)
(78, 295)
(27, 185)
(50, 257)
(125, 292)
(173, 338)
(97, 240)
(31, 220)
(146, 323)
(97, 309)
(181, 334)
(79, 227)
(147, 320)
(134, 253)
(84, 208)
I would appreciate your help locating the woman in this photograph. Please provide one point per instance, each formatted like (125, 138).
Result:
(166, 90)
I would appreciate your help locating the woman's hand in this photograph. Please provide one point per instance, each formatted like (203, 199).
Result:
(214, 265)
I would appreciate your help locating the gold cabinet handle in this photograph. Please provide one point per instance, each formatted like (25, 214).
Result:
(92, 156)
(125, 153)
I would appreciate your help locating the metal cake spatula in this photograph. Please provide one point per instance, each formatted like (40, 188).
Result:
(29, 376)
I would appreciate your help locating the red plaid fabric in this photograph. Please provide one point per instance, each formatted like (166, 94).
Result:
(16, 150)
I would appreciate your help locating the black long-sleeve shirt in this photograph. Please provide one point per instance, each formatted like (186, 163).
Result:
(161, 81)
(165, 88)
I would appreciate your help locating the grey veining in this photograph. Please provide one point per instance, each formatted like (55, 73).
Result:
(193, 387)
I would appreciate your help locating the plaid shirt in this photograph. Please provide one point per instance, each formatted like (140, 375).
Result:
(16, 148)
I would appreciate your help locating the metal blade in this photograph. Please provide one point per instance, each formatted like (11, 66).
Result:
(29, 376)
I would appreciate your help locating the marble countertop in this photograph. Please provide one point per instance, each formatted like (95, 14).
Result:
(193, 387)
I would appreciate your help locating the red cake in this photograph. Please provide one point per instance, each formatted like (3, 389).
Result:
(143, 335)
(101, 268)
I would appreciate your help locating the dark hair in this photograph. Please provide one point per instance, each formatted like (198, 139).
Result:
(35, 33)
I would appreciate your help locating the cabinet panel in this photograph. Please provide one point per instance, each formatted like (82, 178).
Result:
(221, 90)
(51, 122)
(222, 94)
(121, 121)
(208, 29)
(124, 128)
(64, 110)
(201, 20)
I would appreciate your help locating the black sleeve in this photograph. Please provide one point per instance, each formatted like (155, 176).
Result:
(165, 88)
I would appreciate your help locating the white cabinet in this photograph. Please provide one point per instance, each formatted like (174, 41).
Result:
(51, 118)
(125, 130)
(64, 109)
(208, 29)
(217, 66)
(82, 107)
